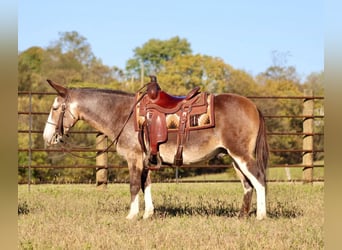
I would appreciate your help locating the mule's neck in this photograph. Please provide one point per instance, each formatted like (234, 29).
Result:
(105, 111)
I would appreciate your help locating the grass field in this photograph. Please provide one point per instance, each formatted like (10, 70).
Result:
(187, 216)
(277, 174)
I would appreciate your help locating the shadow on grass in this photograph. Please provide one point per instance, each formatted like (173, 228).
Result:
(275, 211)
(187, 210)
(283, 210)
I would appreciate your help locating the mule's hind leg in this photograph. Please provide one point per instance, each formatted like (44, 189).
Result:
(247, 194)
(257, 179)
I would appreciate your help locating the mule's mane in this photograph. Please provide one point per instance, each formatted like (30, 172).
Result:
(107, 91)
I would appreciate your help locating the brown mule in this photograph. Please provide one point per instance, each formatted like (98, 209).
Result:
(239, 131)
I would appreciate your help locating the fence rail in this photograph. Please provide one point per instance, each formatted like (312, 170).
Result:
(307, 151)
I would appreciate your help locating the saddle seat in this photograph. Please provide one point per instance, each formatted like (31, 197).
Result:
(169, 102)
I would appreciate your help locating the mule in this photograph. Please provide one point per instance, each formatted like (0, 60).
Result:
(239, 131)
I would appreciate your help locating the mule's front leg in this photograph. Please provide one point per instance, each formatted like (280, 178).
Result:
(135, 185)
(146, 184)
(134, 206)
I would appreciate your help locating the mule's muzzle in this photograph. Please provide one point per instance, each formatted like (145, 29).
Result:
(55, 139)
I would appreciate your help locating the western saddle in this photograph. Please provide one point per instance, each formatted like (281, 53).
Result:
(157, 113)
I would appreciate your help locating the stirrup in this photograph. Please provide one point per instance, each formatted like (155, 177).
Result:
(152, 162)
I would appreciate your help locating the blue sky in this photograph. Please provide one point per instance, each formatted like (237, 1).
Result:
(242, 33)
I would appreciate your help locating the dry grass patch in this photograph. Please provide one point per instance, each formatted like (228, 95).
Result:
(187, 216)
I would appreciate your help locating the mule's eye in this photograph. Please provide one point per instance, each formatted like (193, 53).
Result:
(54, 108)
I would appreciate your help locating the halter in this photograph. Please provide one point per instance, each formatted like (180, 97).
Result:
(59, 130)
(59, 126)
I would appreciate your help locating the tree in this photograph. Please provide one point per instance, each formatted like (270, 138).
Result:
(185, 72)
(75, 44)
(155, 52)
(69, 58)
(315, 82)
(240, 82)
(279, 69)
(279, 73)
(70, 61)
(284, 84)
(211, 73)
(29, 68)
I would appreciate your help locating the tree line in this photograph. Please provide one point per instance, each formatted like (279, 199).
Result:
(70, 61)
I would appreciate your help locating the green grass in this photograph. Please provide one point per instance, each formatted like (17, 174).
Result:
(187, 216)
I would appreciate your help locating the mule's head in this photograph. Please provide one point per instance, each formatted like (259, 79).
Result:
(62, 115)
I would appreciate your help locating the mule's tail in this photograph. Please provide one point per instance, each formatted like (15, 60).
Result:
(261, 147)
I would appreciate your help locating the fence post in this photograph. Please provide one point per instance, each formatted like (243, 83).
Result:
(308, 129)
(30, 142)
(101, 160)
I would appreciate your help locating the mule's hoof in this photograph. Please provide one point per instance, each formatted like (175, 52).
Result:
(242, 216)
(261, 217)
(243, 213)
(147, 214)
(131, 216)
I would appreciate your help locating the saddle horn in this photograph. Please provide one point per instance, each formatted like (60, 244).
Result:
(153, 88)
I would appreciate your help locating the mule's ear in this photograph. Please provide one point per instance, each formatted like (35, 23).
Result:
(62, 91)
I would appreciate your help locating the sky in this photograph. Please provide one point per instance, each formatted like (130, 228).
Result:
(245, 34)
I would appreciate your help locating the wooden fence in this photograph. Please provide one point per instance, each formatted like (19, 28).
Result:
(308, 149)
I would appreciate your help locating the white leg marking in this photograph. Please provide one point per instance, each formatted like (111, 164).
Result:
(261, 203)
(260, 189)
(134, 208)
(149, 209)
